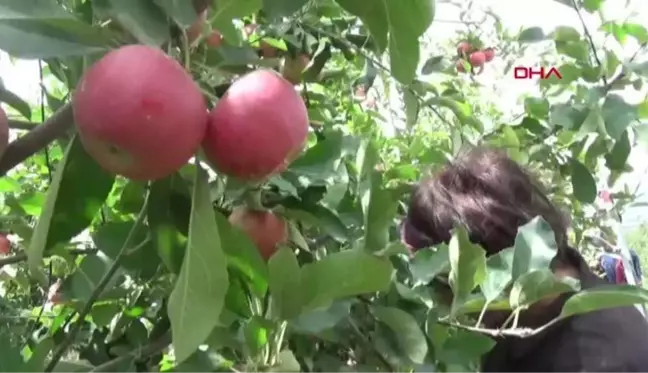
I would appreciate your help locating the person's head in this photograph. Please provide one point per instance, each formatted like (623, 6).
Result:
(487, 193)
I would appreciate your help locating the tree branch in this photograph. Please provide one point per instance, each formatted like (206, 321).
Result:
(21, 257)
(37, 138)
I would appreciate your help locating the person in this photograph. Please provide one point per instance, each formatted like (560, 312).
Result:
(491, 196)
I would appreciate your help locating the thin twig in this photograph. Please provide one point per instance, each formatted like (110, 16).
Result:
(513, 332)
(589, 38)
(21, 257)
(58, 354)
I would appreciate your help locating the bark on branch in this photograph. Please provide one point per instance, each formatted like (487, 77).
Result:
(36, 139)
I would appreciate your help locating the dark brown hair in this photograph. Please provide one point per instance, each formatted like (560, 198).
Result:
(486, 192)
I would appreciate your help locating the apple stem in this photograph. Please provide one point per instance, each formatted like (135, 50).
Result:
(253, 198)
(186, 51)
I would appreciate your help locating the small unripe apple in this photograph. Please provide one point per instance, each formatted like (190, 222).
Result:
(215, 39)
(460, 66)
(489, 53)
(5, 245)
(196, 28)
(463, 48)
(267, 50)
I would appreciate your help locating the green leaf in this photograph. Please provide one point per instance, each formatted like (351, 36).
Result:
(592, 5)
(566, 33)
(12, 360)
(131, 198)
(344, 274)
(82, 283)
(39, 353)
(531, 35)
(43, 29)
(637, 31)
(319, 164)
(320, 217)
(578, 50)
(407, 22)
(537, 107)
(319, 320)
(285, 284)
(400, 23)
(535, 247)
(75, 196)
(499, 273)
(282, 8)
(199, 293)
(618, 115)
(143, 262)
(592, 123)
(17, 103)
(408, 334)
(467, 266)
(166, 213)
(225, 11)
(380, 208)
(462, 110)
(182, 12)
(433, 64)
(411, 107)
(374, 17)
(429, 262)
(537, 285)
(583, 183)
(618, 156)
(464, 346)
(602, 298)
(243, 255)
(145, 20)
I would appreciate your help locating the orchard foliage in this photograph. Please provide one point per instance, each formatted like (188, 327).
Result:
(161, 279)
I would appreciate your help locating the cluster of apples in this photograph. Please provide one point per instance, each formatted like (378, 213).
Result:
(475, 57)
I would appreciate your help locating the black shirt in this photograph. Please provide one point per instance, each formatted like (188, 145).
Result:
(614, 339)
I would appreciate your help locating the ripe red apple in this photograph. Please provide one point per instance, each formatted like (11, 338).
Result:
(267, 50)
(139, 114)
(257, 128)
(215, 39)
(266, 229)
(4, 132)
(5, 245)
(489, 53)
(292, 68)
(463, 48)
(460, 66)
(477, 59)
